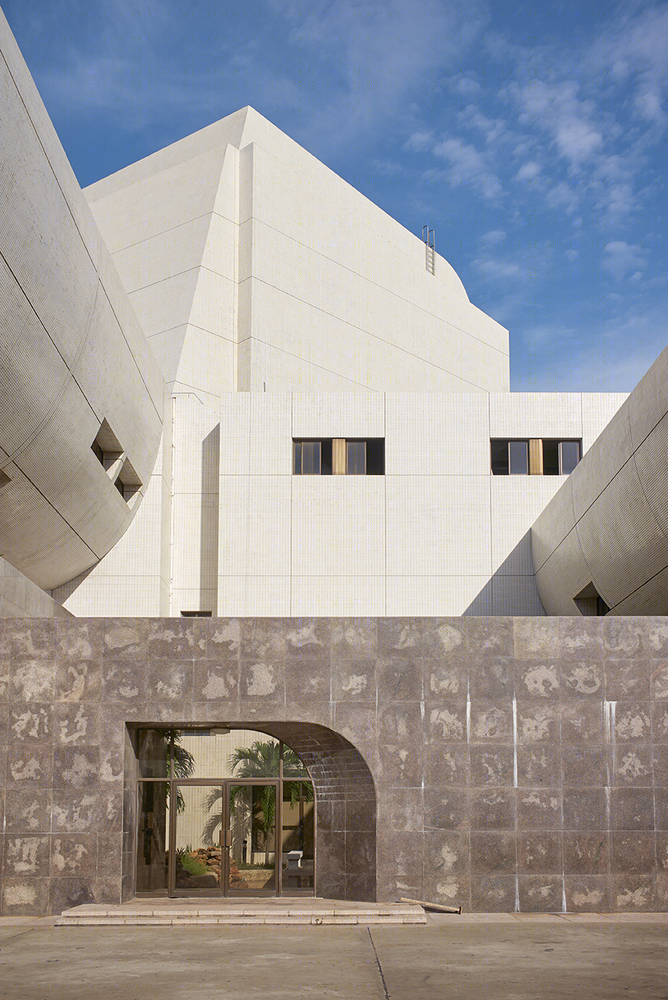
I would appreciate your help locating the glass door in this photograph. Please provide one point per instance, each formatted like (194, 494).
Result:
(249, 838)
(196, 862)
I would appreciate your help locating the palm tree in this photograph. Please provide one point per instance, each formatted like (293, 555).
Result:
(261, 760)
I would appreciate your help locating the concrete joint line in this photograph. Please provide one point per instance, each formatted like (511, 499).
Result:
(380, 969)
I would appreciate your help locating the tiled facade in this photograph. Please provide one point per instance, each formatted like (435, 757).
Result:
(495, 763)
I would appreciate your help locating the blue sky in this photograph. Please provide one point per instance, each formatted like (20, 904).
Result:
(531, 137)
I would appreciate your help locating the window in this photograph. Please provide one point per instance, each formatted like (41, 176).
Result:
(590, 603)
(339, 456)
(109, 453)
(536, 456)
(196, 614)
(4, 479)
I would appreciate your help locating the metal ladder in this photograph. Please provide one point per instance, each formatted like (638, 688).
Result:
(429, 240)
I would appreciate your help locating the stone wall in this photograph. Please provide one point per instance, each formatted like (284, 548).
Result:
(495, 763)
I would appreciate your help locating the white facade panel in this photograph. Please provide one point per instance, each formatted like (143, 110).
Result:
(334, 596)
(437, 434)
(535, 415)
(438, 595)
(331, 415)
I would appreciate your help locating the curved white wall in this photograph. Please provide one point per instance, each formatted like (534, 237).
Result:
(608, 524)
(72, 354)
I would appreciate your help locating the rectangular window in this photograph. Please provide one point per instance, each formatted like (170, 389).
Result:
(560, 457)
(347, 456)
(546, 456)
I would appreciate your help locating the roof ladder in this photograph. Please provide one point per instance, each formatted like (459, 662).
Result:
(429, 240)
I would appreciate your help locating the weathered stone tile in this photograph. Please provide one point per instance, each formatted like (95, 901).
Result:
(4, 680)
(445, 680)
(400, 763)
(353, 639)
(540, 853)
(308, 638)
(583, 679)
(28, 811)
(582, 721)
(109, 890)
(332, 852)
(539, 765)
(661, 892)
(25, 897)
(583, 765)
(631, 809)
(446, 853)
(398, 678)
(446, 809)
(29, 766)
(169, 682)
(126, 638)
(660, 765)
(404, 852)
(539, 809)
(76, 768)
(492, 765)
(493, 679)
(493, 893)
(74, 812)
(109, 855)
(74, 855)
(446, 765)
(216, 681)
(539, 680)
(76, 723)
(360, 886)
(658, 677)
(32, 681)
(661, 850)
(626, 679)
(401, 809)
(632, 853)
(124, 682)
(360, 856)
(400, 723)
(224, 638)
(65, 893)
(307, 682)
(656, 633)
(360, 815)
(585, 809)
(541, 893)
(632, 764)
(445, 722)
(429, 637)
(357, 722)
(493, 809)
(262, 682)
(491, 722)
(633, 892)
(31, 723)
(633, 721)
(78, 680)
(586, 853)
(331, 886)
(660, 722)
(490, 637)
(354, 680)
(79, 640)
(536, 638)
(26, 857)
(447, 890)
(538, 722)
(622, 637)
(177, 639)
(581, 640)
(587, 893)
(493, 853)
(36, 640)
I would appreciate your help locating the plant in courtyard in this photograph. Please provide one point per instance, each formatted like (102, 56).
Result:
(261, 760)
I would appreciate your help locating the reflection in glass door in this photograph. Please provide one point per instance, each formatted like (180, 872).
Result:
(249, 838)
(197, 859)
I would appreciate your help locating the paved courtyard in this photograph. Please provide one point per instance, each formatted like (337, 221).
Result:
(473, 956)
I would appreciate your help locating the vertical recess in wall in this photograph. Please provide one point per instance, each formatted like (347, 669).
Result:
(208, 578)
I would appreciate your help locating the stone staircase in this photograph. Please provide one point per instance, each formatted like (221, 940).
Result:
(156, 912)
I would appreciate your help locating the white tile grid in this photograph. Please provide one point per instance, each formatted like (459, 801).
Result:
(338, 595)
(330, 415)
(254, 526)
(438, 595)
(254, 596)
(437, 434)
(598, 408)
(438, 525)
(206, 363)
(516, 502)
(535, 414)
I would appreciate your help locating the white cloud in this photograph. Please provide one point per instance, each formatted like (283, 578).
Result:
(620, 257)
(493, 238)
(557, 109)
(420, 141)
(528, 171)
(468, 166)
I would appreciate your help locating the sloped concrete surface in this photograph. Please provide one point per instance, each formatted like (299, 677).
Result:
(509, 957)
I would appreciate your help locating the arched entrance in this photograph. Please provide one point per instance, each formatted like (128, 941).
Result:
(282, 808)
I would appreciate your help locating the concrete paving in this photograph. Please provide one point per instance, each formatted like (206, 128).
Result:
(495, 957)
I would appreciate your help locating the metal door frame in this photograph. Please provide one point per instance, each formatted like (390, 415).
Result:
(224, 890)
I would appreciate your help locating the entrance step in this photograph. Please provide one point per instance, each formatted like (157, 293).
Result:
(157, 912)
